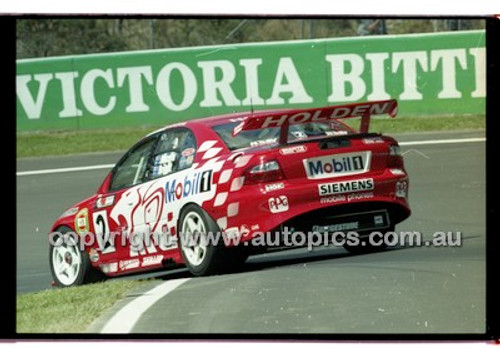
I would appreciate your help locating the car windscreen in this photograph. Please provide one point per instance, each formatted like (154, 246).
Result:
(270, 136)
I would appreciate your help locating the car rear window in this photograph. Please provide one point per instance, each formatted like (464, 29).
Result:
(270, 136)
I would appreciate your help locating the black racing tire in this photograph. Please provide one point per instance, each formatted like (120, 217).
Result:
(364, 246)
(207, 259)
(69, 265)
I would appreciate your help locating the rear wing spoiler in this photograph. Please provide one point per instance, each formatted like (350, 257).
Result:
(285, 118)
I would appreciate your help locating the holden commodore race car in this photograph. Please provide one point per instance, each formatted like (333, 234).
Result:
(235, 177)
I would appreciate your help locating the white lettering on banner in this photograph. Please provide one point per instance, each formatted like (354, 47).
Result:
(409, 62)
(340, 78)
(294, 85)
(163, 86)
(251, 81)
(136, 94)
(88, 94)
(211, 85)
(447, 58)
(68, 94)
(378, 77)
(352, 77)
(32, 106)
(479, 55)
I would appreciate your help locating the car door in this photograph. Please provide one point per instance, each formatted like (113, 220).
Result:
(115, 215)
(171, 160)
(134, 204)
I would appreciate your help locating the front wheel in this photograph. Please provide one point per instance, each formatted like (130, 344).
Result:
(69, 265)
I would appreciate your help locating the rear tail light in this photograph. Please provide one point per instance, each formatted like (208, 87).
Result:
(395, 158)
(394, 150)
(264, 172)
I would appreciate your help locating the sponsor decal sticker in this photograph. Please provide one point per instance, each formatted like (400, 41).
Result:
(359, 196)
(263, 142)
(293, 149)
(354, 196)
(244, 230)
(128, 264)
(378, 220)
(376, 108)
(185, 162)
(192, 184)
(335, 133)
(152, 260)
(187, 152)
(346, 186)
(93, 255)
(82, 221)
(401, 189)
(103, 202)
(109, 267)
(333, 199)
(278, 204)
(376, 140)
(274, 187)
(356, 222)
(346, 226)
(337, 165)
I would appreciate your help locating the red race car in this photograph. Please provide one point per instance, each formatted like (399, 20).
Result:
(208, 192)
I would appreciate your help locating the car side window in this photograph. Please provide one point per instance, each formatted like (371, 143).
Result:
(131, 168)
(175, 151)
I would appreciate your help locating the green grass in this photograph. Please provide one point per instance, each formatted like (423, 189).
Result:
(35, 144)
(414, 124)
(69, 310)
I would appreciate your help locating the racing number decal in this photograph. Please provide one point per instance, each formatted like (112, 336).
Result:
(101, 226)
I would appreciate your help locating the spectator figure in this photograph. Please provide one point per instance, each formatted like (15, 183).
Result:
(371, 27)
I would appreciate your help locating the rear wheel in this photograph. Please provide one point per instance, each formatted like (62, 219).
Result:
(68, 264)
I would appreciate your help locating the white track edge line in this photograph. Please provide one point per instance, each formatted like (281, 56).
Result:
(125, 319)
(65, 170)
(107, 166)
(443, 141)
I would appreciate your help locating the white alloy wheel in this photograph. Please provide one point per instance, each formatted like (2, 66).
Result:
(194, 238)
(67, 262)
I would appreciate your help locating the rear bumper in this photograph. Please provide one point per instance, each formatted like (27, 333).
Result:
(265, 208)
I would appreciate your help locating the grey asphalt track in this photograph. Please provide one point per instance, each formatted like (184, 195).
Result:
(401, 290)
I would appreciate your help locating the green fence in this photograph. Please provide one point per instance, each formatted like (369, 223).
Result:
(428, 73)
